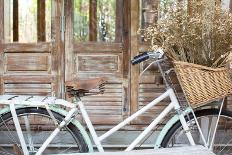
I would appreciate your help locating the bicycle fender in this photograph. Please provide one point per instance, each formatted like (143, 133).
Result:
(168, 126)
(63, 113)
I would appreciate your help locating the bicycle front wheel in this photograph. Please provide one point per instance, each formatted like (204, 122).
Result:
(36, 126)
(207, 118)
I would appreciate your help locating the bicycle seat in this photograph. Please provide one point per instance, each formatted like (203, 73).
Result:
(85, 85)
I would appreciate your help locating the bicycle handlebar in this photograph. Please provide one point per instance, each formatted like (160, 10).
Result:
(146, 55)
(140, 58)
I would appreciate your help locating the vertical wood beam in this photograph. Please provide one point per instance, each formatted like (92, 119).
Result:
(1, 21)
(125, 29)
(69, 54)
(58, 50)
(231, 6)
(134, 51)
(1, 44)
(92, 20)
(41, 33)
(15, 20)
(121, 12)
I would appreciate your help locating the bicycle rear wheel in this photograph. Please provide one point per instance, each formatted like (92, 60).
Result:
(36, 126)
(207, 118)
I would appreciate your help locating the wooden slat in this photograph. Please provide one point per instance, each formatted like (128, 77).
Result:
(58, 46)
(97, 47)
(125, 20)
(28, 47)
(1, 43)
(99, 63)
(119, 21)
(27, 62)
(134, 51)
(33, 86)
(93, 20)
(15, 20)
(27, 88)
(105, 119)
(41, 35)
(1, 22)
(231, 6)
(69, 54)
(95, 103)
(24, 79)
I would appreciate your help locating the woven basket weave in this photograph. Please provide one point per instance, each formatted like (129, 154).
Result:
(201, 84)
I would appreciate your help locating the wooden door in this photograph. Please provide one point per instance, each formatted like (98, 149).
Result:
(31, 47)
(88, 54)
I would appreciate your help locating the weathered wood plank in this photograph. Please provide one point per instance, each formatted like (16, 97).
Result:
(94, 47)
(28, 79)
(1, 43)
(58, 56)
(15, 20)
(134, 51)
(27, 62)
(93, 20)
(99, 63)
(28, 47)
(126, 54)
(69, 54)
(41, 34)
(230, 5)
(1, 22)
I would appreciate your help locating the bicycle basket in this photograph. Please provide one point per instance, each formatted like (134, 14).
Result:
(201, 84)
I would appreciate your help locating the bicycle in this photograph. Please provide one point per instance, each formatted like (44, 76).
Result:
(23, 129)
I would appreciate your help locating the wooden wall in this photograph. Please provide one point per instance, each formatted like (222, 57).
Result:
(41, 68)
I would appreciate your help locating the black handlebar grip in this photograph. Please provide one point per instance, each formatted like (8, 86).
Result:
(139, 58)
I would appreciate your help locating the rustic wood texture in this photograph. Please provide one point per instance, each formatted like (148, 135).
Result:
(119, 23)
(25, 47)
(69, 54)
(32, 68)
(96, 59)
(125, 28)
(93, 20)
(230, 5)
(134, 51)
(58, 48)
(15, 20)
(27, 62)
(91, 47)
(41, 68)
(1, 43)
(41, 24)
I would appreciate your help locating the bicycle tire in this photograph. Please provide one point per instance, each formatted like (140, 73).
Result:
(41, 115)
(170, 139)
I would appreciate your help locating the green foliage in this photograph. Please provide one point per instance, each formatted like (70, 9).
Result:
(106, 18)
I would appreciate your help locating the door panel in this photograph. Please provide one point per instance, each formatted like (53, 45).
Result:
(31, 67)
(94, 57)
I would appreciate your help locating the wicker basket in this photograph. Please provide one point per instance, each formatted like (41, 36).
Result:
(201, 84)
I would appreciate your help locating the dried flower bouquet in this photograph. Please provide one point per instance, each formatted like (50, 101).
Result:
(202, 36)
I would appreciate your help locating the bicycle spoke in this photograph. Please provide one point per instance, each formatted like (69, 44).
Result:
(1, 148)
(208, 118)
(10, 136)
(28, 132)
(36, 127)
(225, 146)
